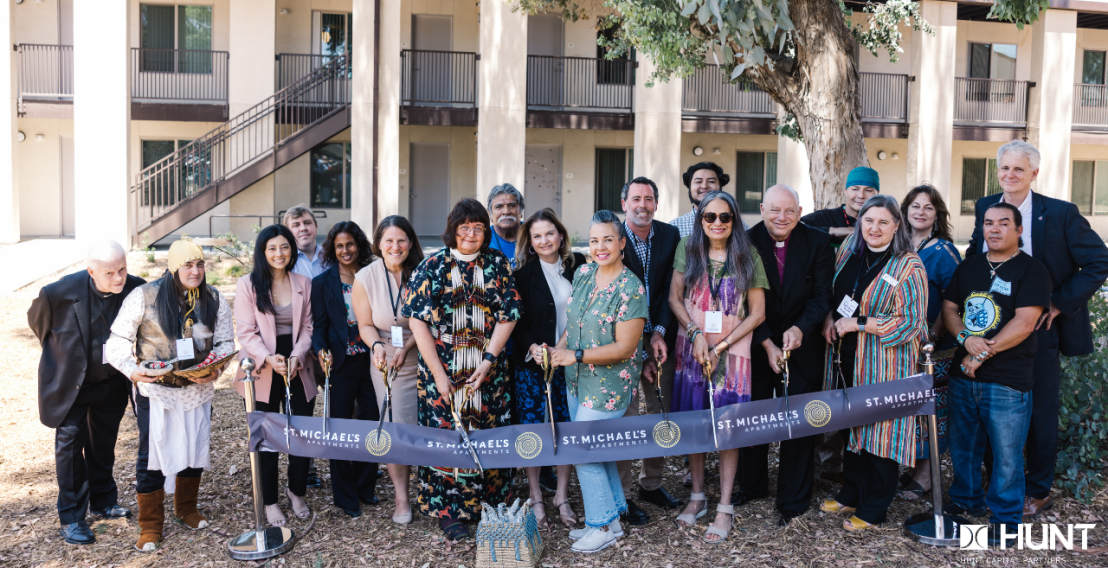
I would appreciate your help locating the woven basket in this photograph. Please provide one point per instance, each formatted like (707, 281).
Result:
(508, 537)
(198, 371)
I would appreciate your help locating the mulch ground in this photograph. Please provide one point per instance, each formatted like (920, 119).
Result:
(29, 525)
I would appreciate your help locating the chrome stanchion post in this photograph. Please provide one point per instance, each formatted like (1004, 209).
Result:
(261, 542)
(934, 527)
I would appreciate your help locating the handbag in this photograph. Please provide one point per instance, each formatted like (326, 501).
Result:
(508, 537)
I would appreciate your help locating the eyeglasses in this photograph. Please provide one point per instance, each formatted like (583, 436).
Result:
(723, 217)
(475, 231)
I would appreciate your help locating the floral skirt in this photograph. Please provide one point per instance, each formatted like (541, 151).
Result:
(530, 391)
(943, 360)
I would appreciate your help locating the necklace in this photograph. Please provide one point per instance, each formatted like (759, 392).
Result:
(993, 269)
(923, 243)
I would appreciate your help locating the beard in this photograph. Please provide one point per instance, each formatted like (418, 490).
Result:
(693, 199)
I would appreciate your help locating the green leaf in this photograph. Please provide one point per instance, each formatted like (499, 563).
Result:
(689, 8)
(714, 5)
(704, 14)
(738, 71)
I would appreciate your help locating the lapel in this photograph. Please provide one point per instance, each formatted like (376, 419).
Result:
(630, 257)
(80, 309)
(297, 307)
(764, 243)
(793, 260)
(537, 278)
(1038, 224)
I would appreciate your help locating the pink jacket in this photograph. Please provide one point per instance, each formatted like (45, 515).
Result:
(257, 336)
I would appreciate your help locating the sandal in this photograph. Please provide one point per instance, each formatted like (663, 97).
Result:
(912, 491)
(277, 520)
(568, 519)
(300, 513)
(833, 506)
(540, 516)
(905, 479)
(454, 529)
(690, 518)
(721, 533)
(854, 524)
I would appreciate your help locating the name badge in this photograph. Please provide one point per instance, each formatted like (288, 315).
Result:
(847, 307)
(184, 350)
(1001, 287)
(103, 356)
(397, 336)
(713, 322)
(892, 281)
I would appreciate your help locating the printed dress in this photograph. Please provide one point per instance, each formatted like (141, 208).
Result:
(732, 379)
(940, 259)
(461, 302)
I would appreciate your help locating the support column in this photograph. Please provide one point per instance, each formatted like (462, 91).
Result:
(657, 127)
(9, 170)
(931, 110)
(502, 98)
(102, 121)
(383, 62)
(1050, 106)
(793, 170)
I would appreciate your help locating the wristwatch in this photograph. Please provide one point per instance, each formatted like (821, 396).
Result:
(579, 354)
(490, 357)
(862, 323)
(963, 336)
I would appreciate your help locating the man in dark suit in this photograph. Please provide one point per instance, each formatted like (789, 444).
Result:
(1077, 260)
(800, 267)
(648, 253)
(80, 395)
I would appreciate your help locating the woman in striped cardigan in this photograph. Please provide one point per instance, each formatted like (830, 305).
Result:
(881, 293)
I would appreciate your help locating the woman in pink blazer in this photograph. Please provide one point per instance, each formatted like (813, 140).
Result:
(273, 325)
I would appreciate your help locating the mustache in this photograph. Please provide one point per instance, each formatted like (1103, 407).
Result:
(511, 218)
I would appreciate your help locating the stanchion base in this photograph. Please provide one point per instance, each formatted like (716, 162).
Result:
(921, 528)
(277, 540)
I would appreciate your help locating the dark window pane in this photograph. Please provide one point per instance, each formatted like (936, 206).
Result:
(1082, 192)
(611, 169)
(616, 71)
(771, 169)
(194, 32)
(326, 178)
(980, 53)
(1100, 205)
(749, 180)
(160, 189)
(994, 182)
(333, 34)
(346, 177)
(1092, 69)
(974, 177)
(156, 32)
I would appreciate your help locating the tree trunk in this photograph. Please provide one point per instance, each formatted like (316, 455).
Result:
(823, 94)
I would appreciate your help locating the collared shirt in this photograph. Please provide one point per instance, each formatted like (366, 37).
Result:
(685, 223)
(310, 268)
(642, 249)
(505, 246)
(1025, 213)
(102, 309)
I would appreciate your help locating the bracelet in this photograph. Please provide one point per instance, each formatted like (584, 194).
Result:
(692, 339)
(963, 336)
(689, 329)
(489, 357)
(375, 344)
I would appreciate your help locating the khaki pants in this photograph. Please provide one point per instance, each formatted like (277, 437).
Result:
(650, 478)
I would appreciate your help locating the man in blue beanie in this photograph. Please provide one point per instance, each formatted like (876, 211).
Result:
(861, 184)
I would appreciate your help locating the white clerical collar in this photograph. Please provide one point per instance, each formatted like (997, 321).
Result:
(464, 257)
(879, 249)
(779, 244)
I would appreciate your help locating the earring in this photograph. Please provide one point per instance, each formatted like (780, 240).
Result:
(532, 249)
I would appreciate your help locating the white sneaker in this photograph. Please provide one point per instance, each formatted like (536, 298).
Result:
(613, 527)
(594, 540)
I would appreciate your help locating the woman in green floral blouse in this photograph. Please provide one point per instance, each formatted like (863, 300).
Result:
(602, 353)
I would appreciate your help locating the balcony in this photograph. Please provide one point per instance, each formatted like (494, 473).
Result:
(1090, 107)
(710, 103)
(990, 103)
(178, 84)
(45, 80)
(438, 87)
(580, 92)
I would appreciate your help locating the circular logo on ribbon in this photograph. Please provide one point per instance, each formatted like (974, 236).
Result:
(666, 434)
(378, 447)
(818, 413)
(528, 445)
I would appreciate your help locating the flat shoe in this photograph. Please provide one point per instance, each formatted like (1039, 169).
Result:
(721, 533)
(854, 524)
(690, 518)
(540, 516)
(568, 519)
(300, 513)
(912, 491)
(833, 506)
(403, 518)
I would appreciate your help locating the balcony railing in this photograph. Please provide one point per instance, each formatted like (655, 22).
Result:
(45, 73)
(438, 78)
(884, 97)
(1090, 106)
(990, 102)
(581, 84)
(707, 92)
(184, 75)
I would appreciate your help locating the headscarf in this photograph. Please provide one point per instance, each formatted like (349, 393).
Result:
(181, 252)
(864, 176)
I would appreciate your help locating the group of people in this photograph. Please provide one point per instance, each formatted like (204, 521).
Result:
(686, 315)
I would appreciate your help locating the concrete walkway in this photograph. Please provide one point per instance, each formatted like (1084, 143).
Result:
(23, 263)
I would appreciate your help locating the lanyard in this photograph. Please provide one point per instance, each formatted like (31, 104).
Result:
(847, 217)
(923, 243)
(399, 292)
(865, 270)
(713, 290)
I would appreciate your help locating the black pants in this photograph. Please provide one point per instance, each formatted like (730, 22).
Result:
(84, 448)
(1042, 435)
(870, 485)
(351, 480)
(794, 475)
(298, 466)
(150, 480)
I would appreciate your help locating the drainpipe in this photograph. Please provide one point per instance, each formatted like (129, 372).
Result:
(376, 107)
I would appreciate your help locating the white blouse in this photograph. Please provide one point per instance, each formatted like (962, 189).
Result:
(560, 288)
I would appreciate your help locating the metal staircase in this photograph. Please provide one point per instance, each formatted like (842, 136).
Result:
(245, 149)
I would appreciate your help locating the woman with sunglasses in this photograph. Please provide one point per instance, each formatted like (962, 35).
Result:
(717, 295)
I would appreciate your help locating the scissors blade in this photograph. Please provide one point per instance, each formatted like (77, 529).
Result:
(465, 437)
(712, 409)
(550, 414)
(386, 406)
(326, 399)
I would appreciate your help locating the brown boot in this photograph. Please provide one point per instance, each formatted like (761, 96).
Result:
(151, 519)
(184, 503)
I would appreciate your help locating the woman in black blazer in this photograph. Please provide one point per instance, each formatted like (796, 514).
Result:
(334, 328)
(544, 280)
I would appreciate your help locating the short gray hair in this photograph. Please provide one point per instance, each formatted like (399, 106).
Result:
(297, 212)
(902, 240)
(106, 250)
(1023, 149)
(604, 216)
(501, 190)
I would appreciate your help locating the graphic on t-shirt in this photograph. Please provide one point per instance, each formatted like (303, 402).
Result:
(981, 313)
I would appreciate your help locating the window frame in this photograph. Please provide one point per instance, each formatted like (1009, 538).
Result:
(629, 168)
(1103, 66)
(1091, 211)
(146, 66)
(345, 191)
(766, 178)
(990, 175)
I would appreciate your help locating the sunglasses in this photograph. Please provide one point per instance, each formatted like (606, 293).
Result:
(723, 217)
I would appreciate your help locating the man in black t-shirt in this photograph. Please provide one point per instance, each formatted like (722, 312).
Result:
(991, 305)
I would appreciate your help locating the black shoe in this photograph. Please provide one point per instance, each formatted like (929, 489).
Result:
(113, 512)
(371, 500)
(785, 517)
(352, 513)
(660, 498)
(740, 497)
(634, 515)
(548, 480)
(950, 507)
(994, 535)
(313, 481)
(78, 533)
(454, 529)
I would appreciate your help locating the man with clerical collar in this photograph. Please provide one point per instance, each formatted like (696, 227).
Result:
(700, 180)
(800, 267)
(177, 319)
(301, 221)
(992, 305)
(1057, 235)
(861, 184)
(80, 395)
(505, 206)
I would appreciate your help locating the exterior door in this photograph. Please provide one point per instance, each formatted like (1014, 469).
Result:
(545, 66)
(432, 69)
(69, 217)
(543, 181)
(429, 195)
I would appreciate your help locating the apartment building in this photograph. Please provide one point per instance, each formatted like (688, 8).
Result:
(132, 119)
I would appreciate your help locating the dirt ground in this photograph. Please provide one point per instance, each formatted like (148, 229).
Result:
(29, 524)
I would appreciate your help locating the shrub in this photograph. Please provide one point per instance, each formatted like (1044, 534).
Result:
(1082, 425)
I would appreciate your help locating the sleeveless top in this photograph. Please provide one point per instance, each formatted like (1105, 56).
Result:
(377, 281)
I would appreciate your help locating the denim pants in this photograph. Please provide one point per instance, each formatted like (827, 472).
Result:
(601, 489)
(1001, 415)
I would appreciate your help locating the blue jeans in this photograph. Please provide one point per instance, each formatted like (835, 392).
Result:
(601, 489)
(1001, 415)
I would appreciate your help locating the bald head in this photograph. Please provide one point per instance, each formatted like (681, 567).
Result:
(780, 211)
(107, 266)
(781, 192)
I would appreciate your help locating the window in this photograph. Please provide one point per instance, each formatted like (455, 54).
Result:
(992, 61)
(613, 169)
(330, 180)
(165, 28)
(1090, 187)
(1092, 68)
(335, 34)
(978, 180)
(179, 180)
(617, 71)
(754, 173)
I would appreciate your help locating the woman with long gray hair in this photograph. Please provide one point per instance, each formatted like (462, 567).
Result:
(880, 291)
(717, 294)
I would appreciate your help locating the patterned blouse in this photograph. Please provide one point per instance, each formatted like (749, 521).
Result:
(356, 346)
